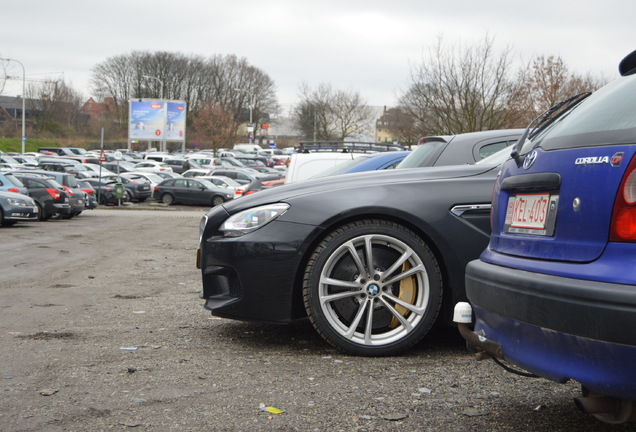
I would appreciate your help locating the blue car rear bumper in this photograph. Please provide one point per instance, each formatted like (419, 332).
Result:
(558, 328)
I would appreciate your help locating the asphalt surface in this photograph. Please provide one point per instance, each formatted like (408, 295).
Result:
(102, 329)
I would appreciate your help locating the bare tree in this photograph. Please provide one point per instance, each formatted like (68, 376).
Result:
(56, 108)
(460, 89)
(544, 83)
(225, 81)
(331, 115)
(214, 127)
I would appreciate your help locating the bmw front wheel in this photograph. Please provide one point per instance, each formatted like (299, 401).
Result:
(372, 288)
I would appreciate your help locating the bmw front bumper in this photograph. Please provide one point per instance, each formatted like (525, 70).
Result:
(257, 276)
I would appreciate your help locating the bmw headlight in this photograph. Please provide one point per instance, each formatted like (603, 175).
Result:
(252, 219)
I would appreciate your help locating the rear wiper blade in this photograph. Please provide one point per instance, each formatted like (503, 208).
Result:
(544, 120)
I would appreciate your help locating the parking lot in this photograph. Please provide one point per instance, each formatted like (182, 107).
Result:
(102, 329)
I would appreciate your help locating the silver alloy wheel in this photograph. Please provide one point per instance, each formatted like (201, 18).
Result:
(384, 301)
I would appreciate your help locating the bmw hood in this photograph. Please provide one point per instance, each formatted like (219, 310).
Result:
(353, 181)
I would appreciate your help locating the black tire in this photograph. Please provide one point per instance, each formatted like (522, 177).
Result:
(167, 199)
(42, 216)
(40, 211)
(403, 285)
(3, 222)
(217, 200)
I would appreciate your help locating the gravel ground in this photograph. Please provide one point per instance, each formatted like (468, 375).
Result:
(102, 329)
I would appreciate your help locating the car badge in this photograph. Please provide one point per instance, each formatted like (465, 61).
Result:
(617, 159)
(529, 160)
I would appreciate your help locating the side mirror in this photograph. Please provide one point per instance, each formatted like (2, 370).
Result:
(627, 66)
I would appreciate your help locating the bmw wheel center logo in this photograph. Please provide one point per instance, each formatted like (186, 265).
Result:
(373, 289)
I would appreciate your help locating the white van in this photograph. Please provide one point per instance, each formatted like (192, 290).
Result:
(305, 165)
(158, 157)
(248, 148)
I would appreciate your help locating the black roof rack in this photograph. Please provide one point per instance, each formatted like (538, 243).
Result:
(346, 146)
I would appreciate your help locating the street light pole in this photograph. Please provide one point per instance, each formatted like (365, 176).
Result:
(251, 106)
(23, 104)
(163, 142)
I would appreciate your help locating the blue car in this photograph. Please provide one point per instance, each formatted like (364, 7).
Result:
(367, 162)
(554, 293)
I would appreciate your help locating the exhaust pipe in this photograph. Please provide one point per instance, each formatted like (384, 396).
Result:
(607, 409)
(484, 348)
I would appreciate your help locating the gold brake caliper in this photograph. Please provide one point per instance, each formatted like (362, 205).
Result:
(408, 288)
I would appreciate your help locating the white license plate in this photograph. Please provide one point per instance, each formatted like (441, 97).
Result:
(532, 213)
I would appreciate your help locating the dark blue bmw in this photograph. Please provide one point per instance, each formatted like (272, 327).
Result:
(554, 293)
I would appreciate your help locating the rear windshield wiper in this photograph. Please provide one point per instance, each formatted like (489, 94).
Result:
(544, 120)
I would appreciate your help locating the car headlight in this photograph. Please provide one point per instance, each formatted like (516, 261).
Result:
(19, 202)
(252, 219)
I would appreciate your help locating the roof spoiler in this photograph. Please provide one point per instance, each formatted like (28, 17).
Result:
(627, 66)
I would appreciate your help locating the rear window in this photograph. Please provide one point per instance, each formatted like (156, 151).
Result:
(13, 179)
(606, 117)
(69, 181)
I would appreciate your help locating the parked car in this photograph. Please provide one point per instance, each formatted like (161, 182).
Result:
(105, 191)
(76, 196)
(457, 149)
(151, 165)
(50, 197)
(119, 167)
(151, 177)
(180, 165)
(366, 162)
(166, 175)
(374, 260)
(191, 191)
(555, 291)
(99, 170)
(9, 183)
(195, 172)
(77, 169)
(16, 207)
(226, 182)
(89, 190)
(137, 188)
(62, 151)
(244, 176)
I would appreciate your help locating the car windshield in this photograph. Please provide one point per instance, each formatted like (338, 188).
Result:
(424, 155)
(154, 178)
(9, 159)
(205, 183)
(70, 181)
(225, 181)
(54, 183)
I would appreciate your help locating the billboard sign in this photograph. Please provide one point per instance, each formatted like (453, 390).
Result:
(146, 120)
(176, 121)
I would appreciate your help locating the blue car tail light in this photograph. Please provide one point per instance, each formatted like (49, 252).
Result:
(623, 225)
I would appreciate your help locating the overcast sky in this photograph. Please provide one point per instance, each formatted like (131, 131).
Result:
(366, 46)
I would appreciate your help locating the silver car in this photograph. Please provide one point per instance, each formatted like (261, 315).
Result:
(16, 207)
